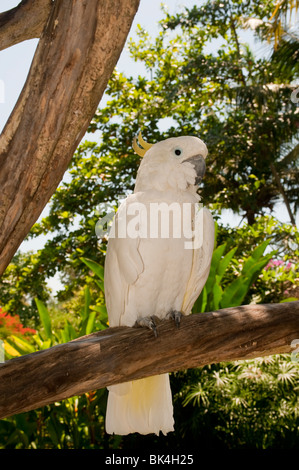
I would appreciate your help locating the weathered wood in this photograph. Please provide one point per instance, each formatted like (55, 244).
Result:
(75, 57)
(25, 21)
(121, 354)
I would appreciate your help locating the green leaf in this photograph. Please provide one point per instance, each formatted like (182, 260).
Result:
(234, 294)
(72, 333)
(217, 254)
(223, 263)
(100, 284)
(45, 318)
(201, 302)
(87, 300)
(95, 267)
(99, 308)
(255, 255)
(68, 333)
(64, 335)
(90, 323)
(217, 293)
(255, 269)
(290, 299)
(20, 344)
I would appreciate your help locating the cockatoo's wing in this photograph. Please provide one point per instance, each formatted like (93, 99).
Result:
(123, 265)
(202, 257)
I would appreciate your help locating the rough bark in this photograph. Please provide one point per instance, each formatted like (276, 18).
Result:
(26, 21)
(74, 59)
(122, 354)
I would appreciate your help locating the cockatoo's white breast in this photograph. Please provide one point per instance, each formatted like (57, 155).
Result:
(160, 287)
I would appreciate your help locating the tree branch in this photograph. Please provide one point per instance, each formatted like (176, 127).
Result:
(26, 21)
(121, 354)
(73, 62)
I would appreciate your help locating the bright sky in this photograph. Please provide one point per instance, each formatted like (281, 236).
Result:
(15, 63)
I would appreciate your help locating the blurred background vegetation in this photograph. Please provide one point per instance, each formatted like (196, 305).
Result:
(201, 79)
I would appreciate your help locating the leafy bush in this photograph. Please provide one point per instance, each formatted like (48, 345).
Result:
(221, 292)
(250, 404)
(77, 422)
(279, 280)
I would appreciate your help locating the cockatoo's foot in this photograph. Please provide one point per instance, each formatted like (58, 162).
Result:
(176, 316)
(148, 322)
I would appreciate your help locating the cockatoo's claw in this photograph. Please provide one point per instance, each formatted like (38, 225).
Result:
(147, 322)
(176, 316)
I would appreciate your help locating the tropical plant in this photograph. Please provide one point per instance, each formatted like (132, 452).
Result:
(279, 280)
(77, 422)
(222, 291)
(92, 318)
(245, 404)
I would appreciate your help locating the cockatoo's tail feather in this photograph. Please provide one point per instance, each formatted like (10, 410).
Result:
(143, 406)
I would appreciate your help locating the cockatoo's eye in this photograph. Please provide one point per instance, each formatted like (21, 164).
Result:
(178, 151)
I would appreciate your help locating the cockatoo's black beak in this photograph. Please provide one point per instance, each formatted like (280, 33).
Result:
(199, 165)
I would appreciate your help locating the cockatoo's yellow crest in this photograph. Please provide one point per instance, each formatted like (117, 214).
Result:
(140, 146)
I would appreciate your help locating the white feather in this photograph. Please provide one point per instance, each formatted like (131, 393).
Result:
(147, 276)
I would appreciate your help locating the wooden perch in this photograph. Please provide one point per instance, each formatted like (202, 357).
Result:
(73, 62)
(121, 354)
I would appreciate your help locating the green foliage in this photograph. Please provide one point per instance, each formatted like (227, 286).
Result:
(218, 294)
(24, 279)
(245, 404)
(91, 318)
(279, 280)
(77, 422)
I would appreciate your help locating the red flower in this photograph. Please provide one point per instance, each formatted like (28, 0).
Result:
(11, 325)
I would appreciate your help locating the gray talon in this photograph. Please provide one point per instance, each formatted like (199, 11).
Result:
(148, 322)
(176, 316)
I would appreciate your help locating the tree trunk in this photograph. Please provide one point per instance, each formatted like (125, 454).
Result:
(250, 215)
(282, 192)
(74, 60)
(121, 354)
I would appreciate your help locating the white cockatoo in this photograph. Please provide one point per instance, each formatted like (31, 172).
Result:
(157, 262)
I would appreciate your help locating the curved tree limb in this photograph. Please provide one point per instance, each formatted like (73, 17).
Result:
(26, 21)
(121, 354)
(73, 62)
